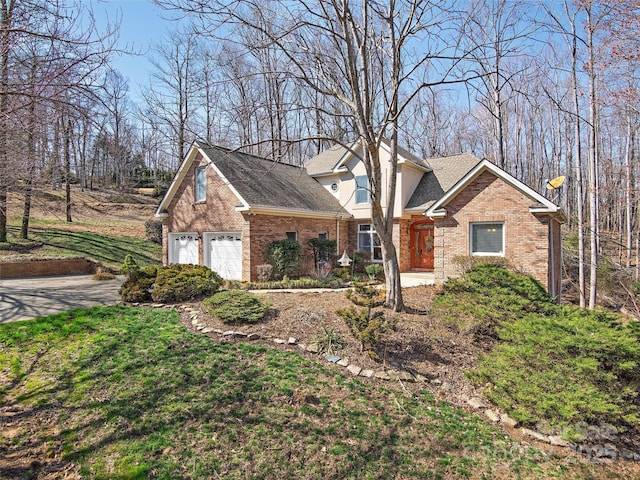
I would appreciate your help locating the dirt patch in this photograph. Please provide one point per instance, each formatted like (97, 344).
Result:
(416, 344)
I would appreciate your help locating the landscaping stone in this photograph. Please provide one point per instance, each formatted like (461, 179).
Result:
(228, 333)
(292, 341)
(219, 332)
(507, 421)
(207, 330)
(406, 377)
(194, 321)
(313, 348)
(199, 327)
(240, 334)
(558, 441)
(436, 381)
(491, 415)
(393, 375)
(367, 373)
(279, 341)
(605, 451)
(343, 362)
(354, 369)
(476, 403)
(332, 358)
(382, 375)
(253, 336)
(537, 435)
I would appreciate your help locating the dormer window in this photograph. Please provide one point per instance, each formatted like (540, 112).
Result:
(363, 194)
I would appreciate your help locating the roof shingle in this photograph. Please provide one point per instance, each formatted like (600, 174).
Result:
(265, 183)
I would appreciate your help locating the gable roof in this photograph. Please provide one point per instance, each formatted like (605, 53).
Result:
(334, 159)
(540, 205)
(261, 185)
(444, 173)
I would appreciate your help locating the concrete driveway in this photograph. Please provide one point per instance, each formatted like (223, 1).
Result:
(26, 298)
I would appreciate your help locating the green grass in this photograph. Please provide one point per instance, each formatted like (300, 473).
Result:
(59, 243)
(130, 393)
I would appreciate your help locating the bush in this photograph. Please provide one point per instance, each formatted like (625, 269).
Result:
(178, 283)
(284, 256)
(330, 342)
(375, 271)
(264, 272)
(236, 306)
(137, 287)
(488, 294)
(153, 230)
(366, 324)
(578, 365)
(323, 251)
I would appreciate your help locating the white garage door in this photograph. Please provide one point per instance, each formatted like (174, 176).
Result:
(183, 248)
(225, 254)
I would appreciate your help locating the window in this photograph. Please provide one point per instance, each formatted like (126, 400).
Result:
(292, 236)
(487, 239)
(362, 189)
(201, 184)
(368, 241)
(323, 236)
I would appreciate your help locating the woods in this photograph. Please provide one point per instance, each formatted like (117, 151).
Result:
(541, 90)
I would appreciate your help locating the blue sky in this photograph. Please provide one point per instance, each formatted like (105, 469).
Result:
(142, 24)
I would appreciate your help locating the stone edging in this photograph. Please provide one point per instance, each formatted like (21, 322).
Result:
(599, 448)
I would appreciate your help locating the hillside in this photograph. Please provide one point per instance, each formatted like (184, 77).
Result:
(105, 226)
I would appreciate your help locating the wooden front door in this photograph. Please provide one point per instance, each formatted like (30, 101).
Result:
(422, 246)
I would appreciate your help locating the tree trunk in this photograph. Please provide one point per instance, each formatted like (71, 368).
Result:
(67, 169)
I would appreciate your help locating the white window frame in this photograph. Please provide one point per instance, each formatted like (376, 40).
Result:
(200, 194)
(362, 189)
(374, 241)
(472, 233)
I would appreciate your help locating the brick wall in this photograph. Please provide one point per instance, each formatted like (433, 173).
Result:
(264, 229)
(217, 214)
(47, 268)
(489, 199)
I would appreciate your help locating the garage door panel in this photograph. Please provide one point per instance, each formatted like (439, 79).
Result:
(183, 248)
(225, 255)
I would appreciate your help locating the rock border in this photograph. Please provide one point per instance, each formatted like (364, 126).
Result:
(600, 445)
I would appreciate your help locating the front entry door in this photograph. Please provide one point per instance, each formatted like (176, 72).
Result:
(422, 246)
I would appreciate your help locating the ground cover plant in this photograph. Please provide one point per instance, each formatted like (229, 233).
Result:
(124, 392)
(232, 306)
(552, 363)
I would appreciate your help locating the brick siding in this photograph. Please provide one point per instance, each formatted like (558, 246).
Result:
(490, 199)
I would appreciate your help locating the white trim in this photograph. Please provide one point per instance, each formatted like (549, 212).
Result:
(290, 212)
(180, 177)
(437, 209)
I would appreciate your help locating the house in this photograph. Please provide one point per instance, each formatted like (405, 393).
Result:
(224, 207)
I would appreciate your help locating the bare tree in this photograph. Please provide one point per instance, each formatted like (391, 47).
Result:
(370, 57)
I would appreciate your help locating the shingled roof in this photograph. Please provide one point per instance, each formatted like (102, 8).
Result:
(445, 173)
(326, 161)
(264, 183)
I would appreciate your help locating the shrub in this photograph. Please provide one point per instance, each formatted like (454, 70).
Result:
(137, 287)
(577, 365)
(153, 230)
(103, 276)
(284, 256)
(236, 306)
(488, 294)
(323, 251)
(374, 271)
(177, 283)
(264, 272)
(330, 342)
(366, 324)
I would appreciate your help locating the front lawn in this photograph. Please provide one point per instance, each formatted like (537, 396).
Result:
(130, 393)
